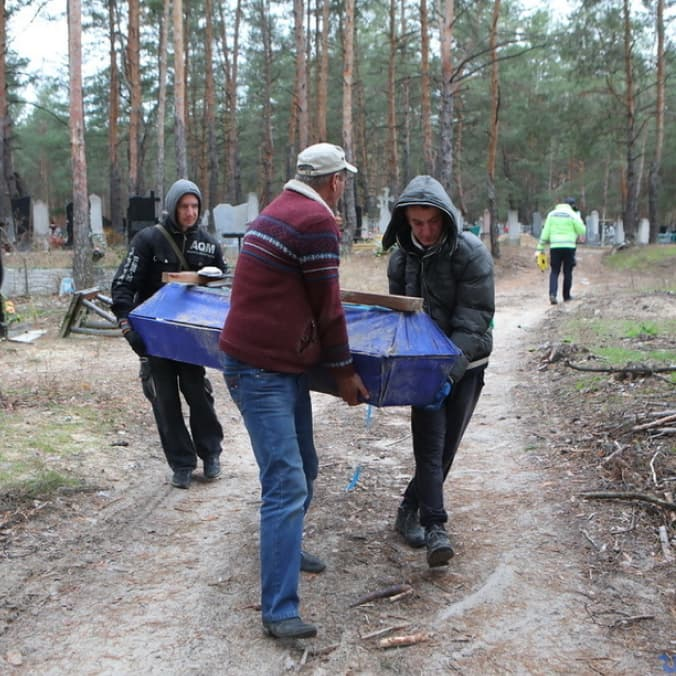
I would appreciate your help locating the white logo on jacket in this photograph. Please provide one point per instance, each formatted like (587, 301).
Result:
(203, 247)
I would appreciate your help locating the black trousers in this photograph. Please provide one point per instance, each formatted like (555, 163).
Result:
(561, 258)
(436, 437)
(169, 379)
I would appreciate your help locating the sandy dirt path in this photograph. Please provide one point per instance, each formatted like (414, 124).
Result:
(141, 578)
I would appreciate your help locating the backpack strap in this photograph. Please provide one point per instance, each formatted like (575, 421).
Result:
(174, 246)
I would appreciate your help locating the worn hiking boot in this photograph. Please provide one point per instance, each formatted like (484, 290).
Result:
(181, 478)
(552, 300)
(439, 550)
(408, 526)
(293, 627)
(212, 467)
(309, 563)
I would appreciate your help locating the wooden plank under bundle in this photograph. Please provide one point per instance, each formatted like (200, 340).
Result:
(391, 301)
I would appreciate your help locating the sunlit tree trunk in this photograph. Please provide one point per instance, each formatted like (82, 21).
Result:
(656, 165)
(630, 216)
(445, 168)
(323, 74)
(179, 91)
(162, 100)
(426, 87)
(493, 125)
(211, 185)
(233, 189)
(392, 137)
(457, 157)
(300, 85)
(349, 206)
(116, 209)
(83, 268)
(267, 149)
(134, 79)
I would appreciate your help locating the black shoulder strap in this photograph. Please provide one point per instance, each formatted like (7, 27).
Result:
(174, 246)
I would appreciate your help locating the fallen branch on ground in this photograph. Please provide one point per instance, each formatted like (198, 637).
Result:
(394, 590)
(628, 495)
(654, 423)
(639, 370)
(400, 641)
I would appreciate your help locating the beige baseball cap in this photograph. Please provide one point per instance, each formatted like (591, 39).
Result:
(321, 159)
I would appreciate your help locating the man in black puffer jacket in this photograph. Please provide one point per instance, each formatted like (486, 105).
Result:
(139, 276)
(453, 273)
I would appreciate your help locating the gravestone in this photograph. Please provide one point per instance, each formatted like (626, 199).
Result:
(643, 236)
(593, 236)
(384, 214)
(513, 227)
(231, 222)
(41, 222)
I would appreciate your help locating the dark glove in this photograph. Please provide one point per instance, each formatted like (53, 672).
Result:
(133, 338)
(146, 375)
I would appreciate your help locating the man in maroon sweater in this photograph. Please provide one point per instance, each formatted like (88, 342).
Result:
(285, 317)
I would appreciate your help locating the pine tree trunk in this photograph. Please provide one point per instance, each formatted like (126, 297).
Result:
(115, 180)
(493, 131)
(162, 100)
(6, 218)
(211, 184)
(83, 268)
(630, 217)
(300, 85)
(392, 139)
(323, 74)
(179, 91)
(134, 78)
(445, 168)
(426, 87)
(267, 150)
(656, 165)
(349, 205)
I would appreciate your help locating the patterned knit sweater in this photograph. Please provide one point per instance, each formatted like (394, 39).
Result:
(285, 311)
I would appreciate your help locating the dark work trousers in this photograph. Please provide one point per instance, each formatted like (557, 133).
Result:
(181, 449)
(436, 437)
(557, 258)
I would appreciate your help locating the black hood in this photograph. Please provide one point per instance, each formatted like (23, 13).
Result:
(421, 191)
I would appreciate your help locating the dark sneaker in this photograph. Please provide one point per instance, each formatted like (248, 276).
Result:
(408, 526)
(181, 478)
(567, 300)
(309, 563)
(439, 550)
(294, 627)
(212, 467)
(552, 300)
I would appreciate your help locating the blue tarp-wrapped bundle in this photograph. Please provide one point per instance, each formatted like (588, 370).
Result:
(403, 357)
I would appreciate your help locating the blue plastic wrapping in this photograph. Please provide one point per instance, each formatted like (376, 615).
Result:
(403, 357)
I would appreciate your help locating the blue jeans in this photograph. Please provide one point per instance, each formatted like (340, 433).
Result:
(277, 413)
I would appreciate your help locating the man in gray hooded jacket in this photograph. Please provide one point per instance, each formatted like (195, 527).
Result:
(176, 243)
(453, 273)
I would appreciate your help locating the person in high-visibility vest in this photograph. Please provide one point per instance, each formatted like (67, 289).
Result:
(562, 230)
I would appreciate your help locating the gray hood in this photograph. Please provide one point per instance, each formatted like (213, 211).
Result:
(421, 191)
(182, 187)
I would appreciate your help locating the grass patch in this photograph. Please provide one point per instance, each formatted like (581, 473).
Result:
(44, 484)
(642, 258)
